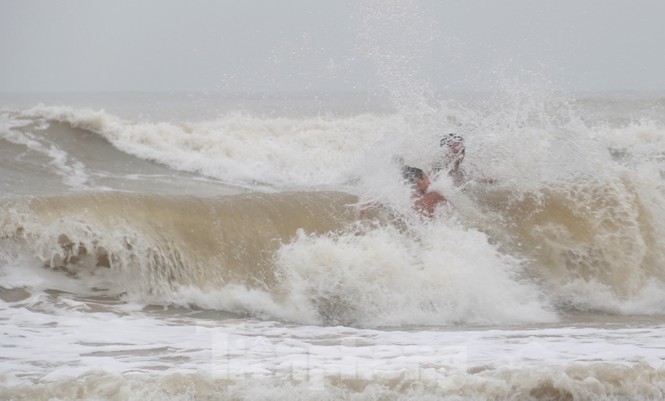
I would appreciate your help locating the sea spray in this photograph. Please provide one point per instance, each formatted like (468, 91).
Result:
(430, 274)
(240, 148)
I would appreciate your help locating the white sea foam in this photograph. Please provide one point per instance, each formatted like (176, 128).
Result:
(242, 148)
(430, 274)
(524, 148)
(60, 354)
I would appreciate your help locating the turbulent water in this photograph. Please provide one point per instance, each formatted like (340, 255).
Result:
(157, 246)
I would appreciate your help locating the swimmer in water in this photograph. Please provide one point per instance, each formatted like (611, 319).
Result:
(424, 202)
(454, 153)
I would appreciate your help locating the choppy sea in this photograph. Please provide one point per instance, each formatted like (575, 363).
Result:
(210, 246)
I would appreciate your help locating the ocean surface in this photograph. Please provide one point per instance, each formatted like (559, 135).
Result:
(201, 246)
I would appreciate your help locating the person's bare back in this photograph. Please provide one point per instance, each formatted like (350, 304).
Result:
(427, 203)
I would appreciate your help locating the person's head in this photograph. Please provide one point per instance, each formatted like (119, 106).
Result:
(416, 177)
(455, 150)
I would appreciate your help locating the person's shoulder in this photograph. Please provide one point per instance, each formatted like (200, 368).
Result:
(428, 203)
(435, 196)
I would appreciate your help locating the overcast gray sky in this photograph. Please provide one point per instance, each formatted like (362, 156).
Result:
(271, 45)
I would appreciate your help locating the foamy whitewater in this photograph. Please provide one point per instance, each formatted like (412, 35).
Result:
(265, 248)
